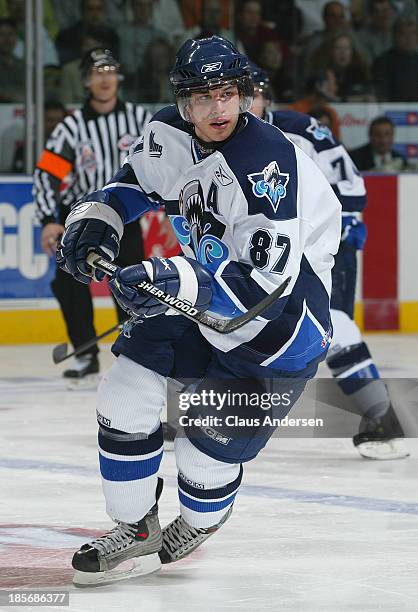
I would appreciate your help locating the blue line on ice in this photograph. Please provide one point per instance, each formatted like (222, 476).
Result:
(313, 497)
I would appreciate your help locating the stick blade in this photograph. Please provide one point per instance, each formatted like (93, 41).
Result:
(257, 310)
(59, 352)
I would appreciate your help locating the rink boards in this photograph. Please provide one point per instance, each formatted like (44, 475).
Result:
(387, 288)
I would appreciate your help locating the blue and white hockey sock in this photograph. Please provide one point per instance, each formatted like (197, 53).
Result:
(358, 377)
(129, 469)
(206, 487)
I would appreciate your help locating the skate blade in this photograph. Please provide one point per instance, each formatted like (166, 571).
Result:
(385, 450)
(138, 566)
(91, 381)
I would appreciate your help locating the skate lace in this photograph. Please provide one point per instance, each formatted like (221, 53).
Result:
(119, 537)
(180, 533)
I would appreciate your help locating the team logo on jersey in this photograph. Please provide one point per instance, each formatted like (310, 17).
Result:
(126, 141)
(320, 132)
(211, 67)
(87, 157)
(270, 183)
(139, 147)
(155, 149)
(193, 224)
(223, 177)
(192, 207)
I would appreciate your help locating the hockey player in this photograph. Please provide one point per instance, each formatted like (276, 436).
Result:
(249, 209)
(84, 151)
(349, 358)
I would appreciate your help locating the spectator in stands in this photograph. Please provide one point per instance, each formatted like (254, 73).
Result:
(93, 15)
(350, 70)
(378, 154)
(376, 37)
(166, 16)
(285, 17)
(396, 71)
(405, 8)
(151, 82)
(72, 90)
(318, 92)
(191, 11)
(334, 20)
(270, 58)
(250, 30)
(16, 12)
(67, 12)
(136, 36)
(210, 22)
(323, 115)
(12, 70)
(312, 14)
(358, 14)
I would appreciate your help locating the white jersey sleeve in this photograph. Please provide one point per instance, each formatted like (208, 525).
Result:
(328, 153)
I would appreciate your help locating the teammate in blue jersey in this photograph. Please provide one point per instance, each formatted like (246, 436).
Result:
(349, 358)
(249, 210)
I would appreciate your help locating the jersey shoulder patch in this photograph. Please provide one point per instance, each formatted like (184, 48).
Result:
(170, 116)
(308, 127)
(264, 163)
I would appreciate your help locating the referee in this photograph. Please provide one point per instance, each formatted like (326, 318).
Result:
(83, 152)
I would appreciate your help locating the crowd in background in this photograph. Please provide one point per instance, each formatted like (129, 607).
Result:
(315, 52)
(358, 50)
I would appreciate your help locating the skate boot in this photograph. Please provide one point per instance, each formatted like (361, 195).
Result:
(128, 550)
(180, 539)
(84, 372)
(382, 439)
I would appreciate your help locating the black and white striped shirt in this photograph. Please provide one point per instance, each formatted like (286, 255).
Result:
(82, 154)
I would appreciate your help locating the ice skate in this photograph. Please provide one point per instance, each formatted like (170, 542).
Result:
(180, 539)
(383, 439)
(83, 374)
(127, 551)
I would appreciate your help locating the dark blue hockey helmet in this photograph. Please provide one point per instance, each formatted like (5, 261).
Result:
(206, 64)
(261, 81)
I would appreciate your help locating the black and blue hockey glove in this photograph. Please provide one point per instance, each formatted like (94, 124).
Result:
(91, 226)
(180, 277)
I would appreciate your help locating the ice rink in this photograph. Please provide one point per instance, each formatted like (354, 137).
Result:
(315, 528)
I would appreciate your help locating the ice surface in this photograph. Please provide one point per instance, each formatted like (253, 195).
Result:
(315, 528)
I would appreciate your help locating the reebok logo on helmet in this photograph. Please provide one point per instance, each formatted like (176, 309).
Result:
(211, 67)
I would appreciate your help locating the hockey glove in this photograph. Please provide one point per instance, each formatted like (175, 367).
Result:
(91, 226)
(180, 277)
(354, 232)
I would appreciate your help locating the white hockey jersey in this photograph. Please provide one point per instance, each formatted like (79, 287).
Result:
(328, 153)
(254, 212)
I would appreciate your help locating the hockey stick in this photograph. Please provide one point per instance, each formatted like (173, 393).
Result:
(60, 352)
(221, 325)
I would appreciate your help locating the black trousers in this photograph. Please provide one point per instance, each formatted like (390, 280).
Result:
(75, 299)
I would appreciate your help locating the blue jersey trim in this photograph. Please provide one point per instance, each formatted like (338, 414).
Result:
(127, 197)
(201, 506)
(350, 203)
